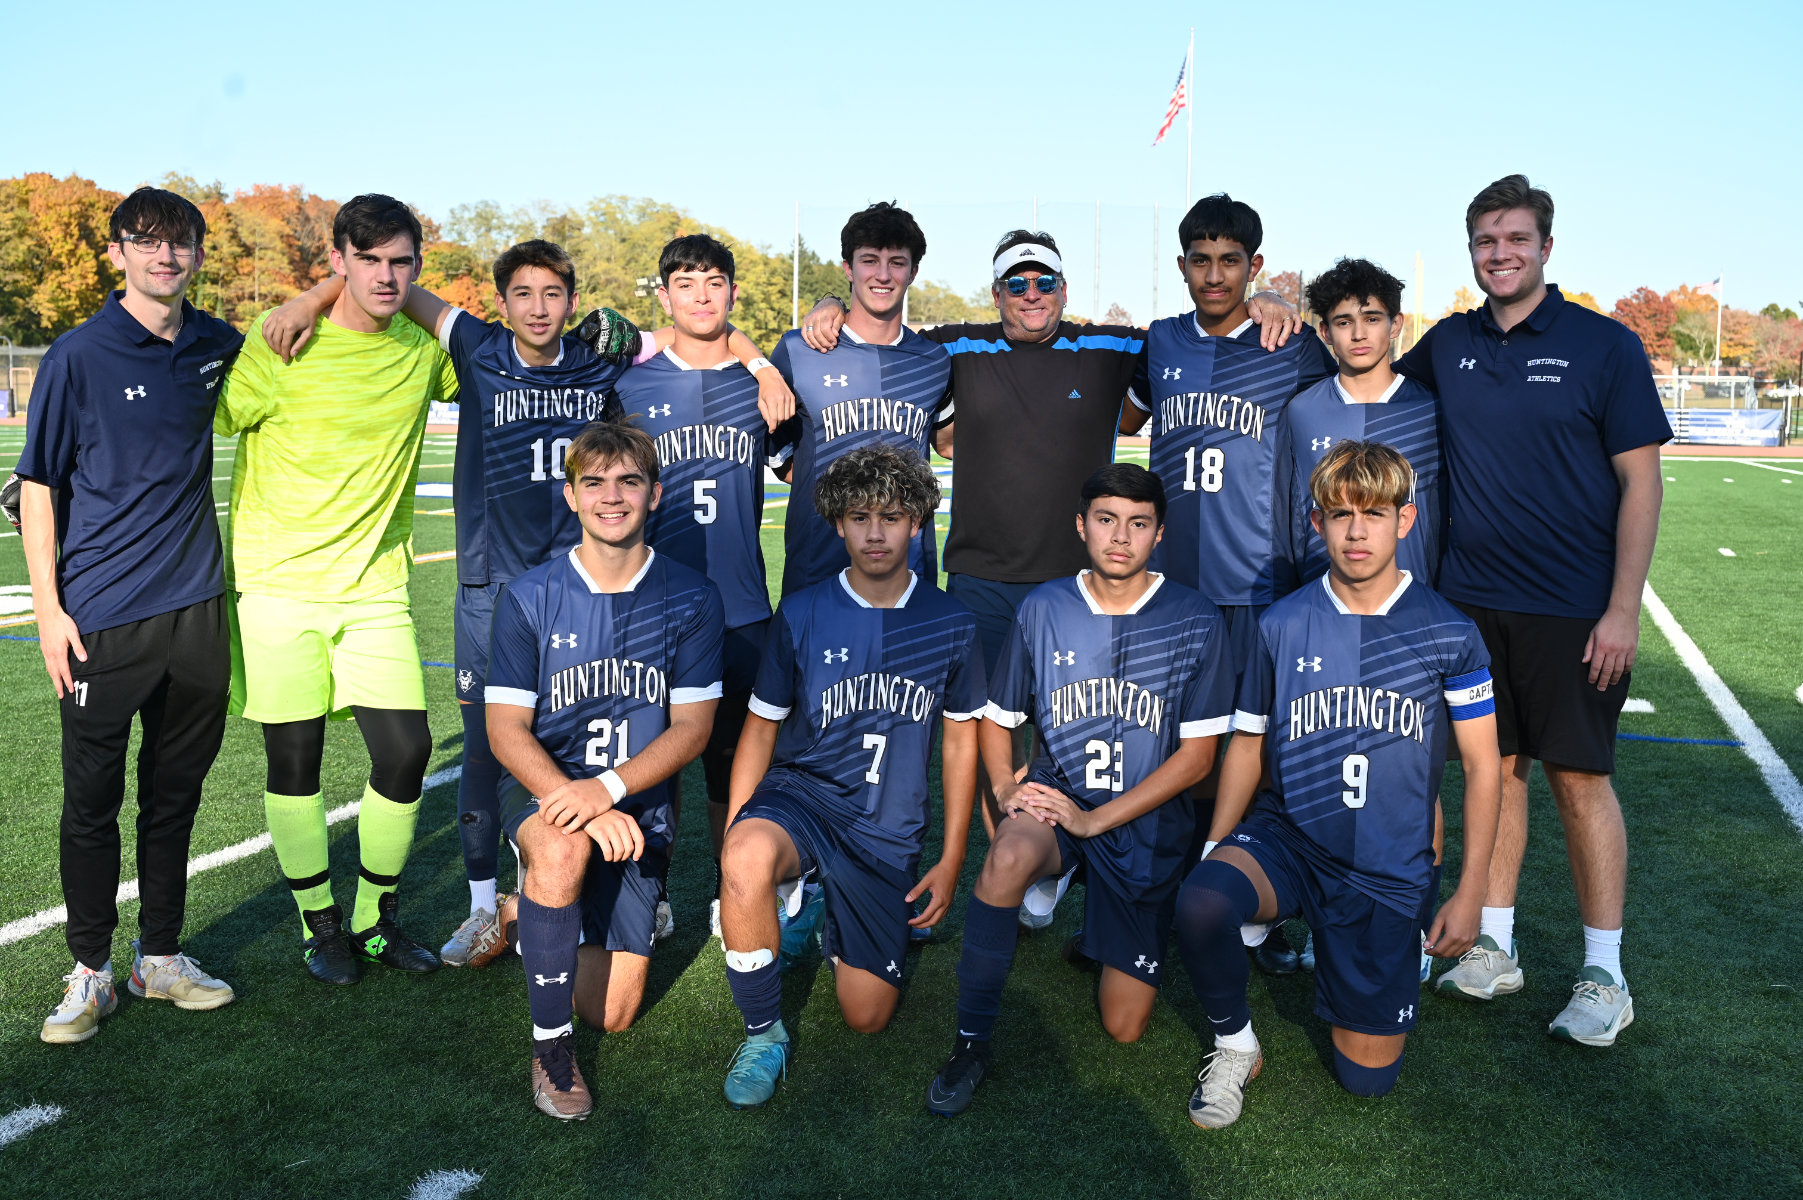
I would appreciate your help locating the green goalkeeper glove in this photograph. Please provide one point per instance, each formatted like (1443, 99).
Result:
(610, 335)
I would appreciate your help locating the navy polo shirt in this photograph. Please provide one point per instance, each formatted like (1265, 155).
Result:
(1529, 421)
(121, 424)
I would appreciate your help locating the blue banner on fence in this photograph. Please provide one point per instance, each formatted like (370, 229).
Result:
(441, 413)
(1727, 426)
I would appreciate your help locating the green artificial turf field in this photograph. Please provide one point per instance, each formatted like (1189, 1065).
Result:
(301, 1091)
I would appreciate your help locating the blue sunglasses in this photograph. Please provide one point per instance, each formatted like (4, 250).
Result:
(1017, 285)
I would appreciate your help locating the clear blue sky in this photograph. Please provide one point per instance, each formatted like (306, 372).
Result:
(1668, 134)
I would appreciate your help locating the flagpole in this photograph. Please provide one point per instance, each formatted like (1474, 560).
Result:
(1189, 77)
(1718, 325)
(1154, 262)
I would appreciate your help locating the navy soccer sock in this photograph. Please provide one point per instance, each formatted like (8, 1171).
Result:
(1216, 900)
(757, 988)
(1430, 904)
(989, 936)
(1365, 1081)
(478, 798)
(548, 941)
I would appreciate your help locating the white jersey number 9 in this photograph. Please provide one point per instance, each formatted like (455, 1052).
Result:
(1355, 772)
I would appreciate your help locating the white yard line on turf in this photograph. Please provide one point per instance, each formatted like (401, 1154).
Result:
(443, 1185)
(1778, 776)
(15, 1125)
(1765, 467)
(50, 918)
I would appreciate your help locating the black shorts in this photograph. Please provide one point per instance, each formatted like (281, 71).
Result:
(743, 651)
(867, 912)
(1546, 706)
(1367, 954)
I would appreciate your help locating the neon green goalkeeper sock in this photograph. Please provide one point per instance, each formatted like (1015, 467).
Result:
(384, 836)
(297, 826)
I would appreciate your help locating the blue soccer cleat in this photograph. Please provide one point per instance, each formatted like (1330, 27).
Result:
(757, 1066)
(802, 929)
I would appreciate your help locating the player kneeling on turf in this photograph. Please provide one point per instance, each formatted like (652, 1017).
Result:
(1344, 707)
(830, 777)
(1125, 677)
(603, 675)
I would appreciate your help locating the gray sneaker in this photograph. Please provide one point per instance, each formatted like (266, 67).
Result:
(1484, 973)
(476, 943)
(1600, 1008)
(665, 923)
(1221, 1086)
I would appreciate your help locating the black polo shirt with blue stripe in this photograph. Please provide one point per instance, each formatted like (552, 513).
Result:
(1034, 421)
(1530, 419)
(121, 425)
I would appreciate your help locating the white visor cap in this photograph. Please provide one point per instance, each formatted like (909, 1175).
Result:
(1015, 257)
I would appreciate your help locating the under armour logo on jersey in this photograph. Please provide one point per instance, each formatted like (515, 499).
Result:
(1075, 395)
(1064, 658)
(136, 393)
(466, 680)
(1148, 967)
(1320, 443)
(547, 981)
(893, 969)
(1405, 1013)
(844, 655)
(664, 413)
(563, 641)
(1468, 364)
(1306, 664)
(1173, 372)
(835, 380)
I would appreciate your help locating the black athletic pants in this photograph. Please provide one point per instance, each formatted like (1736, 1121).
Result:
(173, 673)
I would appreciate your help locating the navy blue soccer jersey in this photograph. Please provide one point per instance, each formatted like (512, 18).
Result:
(1217, 406)
(854, 396)
(860, 692)
(600, 670)
(1354, 713)
(1407, 419)
(514, 425)
(712, 445)
(1111, 697)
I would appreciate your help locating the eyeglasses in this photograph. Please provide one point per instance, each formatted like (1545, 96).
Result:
(1017, 285)
(145, 244)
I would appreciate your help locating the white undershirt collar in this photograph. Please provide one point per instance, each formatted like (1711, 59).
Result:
(670, 353)
(595, 588)
(1346, 396)
(1088, 598)
(1383, 610)
(846, 330)
(845, 582)
(1242, 327)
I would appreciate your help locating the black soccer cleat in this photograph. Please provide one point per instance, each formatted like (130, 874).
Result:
(1072, 953)
(328, 952)
(1275, 956)
(955, 1084)
(385, 943)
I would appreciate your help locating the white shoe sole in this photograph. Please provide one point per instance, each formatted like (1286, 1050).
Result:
(1502, 985)
(55, 1035)
(143, 993)
(1601, 1039)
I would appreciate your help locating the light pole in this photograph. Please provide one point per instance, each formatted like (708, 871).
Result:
(9, 372)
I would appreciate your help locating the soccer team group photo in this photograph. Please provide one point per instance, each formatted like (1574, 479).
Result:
(516, 722)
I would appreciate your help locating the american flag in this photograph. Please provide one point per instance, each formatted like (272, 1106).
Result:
(1712, 288)
(1179, 98)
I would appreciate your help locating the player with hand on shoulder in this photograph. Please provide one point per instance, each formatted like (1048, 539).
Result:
(700, 406)
(830, 781)
(1123, 673)
(527, 389)
(603, 677)
(1343, 708)
(1361, 312)
(882, 384)
(320, 552)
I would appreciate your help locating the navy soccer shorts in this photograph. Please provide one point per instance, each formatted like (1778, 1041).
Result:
(866, 919)
(471, 620)
(619, 900)
(1367, 954)
(744, 650)
(1128, 933)
(1242, 632)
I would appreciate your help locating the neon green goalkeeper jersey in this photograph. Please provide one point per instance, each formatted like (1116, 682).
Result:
(322, 485)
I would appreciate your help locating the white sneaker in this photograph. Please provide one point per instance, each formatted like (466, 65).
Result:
(178, 979)
(666, 922)
(88, 997)
(713, 920)
(1600, 1008)
(1221, 1086)
(1484, 973)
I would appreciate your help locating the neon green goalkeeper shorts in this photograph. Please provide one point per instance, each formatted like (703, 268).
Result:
(293, 660)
